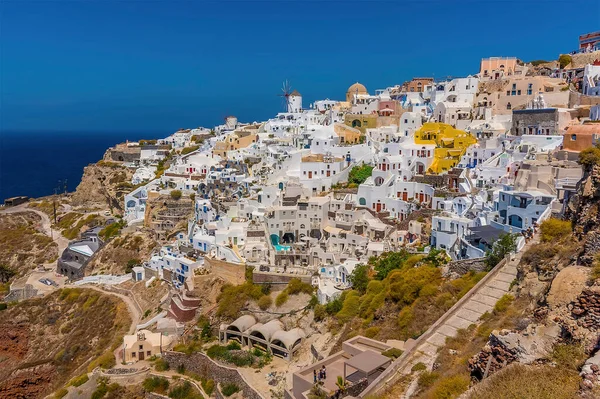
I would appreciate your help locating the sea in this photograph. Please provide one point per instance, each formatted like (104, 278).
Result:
(36, 163)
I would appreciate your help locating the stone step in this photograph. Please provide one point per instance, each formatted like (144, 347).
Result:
(512, 270)
(504, 277)
(428, 349)
(458, 323)
(437, 339)
(485, 299)
(447, 330)
(501, 285)
(477, 307)
(470, 315)
(491, 291)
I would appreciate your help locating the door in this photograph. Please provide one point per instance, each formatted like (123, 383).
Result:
(405, 196)
(141, 355)
(420, 169)
(420, 197)
(310, 175)
(378, 207)
(328, 173)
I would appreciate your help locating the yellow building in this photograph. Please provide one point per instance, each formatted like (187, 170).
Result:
(451, 144)
(234, 141)
(347, 134)
(361, 122)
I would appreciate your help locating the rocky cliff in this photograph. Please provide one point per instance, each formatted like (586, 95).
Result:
(103, 186)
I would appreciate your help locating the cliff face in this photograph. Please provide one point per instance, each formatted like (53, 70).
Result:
(112, 258)
(103, 185)
(584, 211)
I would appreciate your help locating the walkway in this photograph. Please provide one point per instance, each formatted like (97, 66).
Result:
(480, 299)
(131, 305)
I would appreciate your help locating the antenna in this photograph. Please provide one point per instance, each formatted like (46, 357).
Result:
(286, 90)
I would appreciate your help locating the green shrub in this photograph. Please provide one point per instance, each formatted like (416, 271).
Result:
(208, 386)
(61, 393)
(554, 229)
(297, 286)
(569, 355)
(3, 306)
(590, 157)
(176, 194)
(187, 150)
(350, 307)
(156, 384)
(233, 345)
(77, 381)
(427, 379)
(503, 303)
(360, 278)
(265, 302)
(281, 299)
(451, 387)
(161, 365)
(320, 312)
(181, 368)
(229, 389)
(371, 332)
(105, 361)
(394, 353)
(359, 174)
(184, 391)
(418, 367)
(564, 60)
(505, 244)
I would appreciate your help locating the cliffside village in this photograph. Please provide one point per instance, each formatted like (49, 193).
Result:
(446, 164)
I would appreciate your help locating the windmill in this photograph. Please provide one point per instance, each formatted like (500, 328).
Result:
(285, 95)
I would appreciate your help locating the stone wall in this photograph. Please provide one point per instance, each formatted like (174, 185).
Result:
(202, 365)
(277, 278)
(233, 273)
(466, 265)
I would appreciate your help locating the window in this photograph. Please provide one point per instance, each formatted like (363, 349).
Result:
(508, 106)
(573, 137)
(132, 354)
(141, 347)
(518, 92)
(529, 89)
(148, 353)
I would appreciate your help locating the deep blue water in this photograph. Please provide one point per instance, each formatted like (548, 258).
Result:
(32, 163)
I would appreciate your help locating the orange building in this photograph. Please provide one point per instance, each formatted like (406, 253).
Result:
(579, 137)
(416, 85)
(497, 67)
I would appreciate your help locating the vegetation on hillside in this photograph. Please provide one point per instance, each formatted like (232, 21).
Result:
(564, 60)
(187, 150)
(359, 174)
(556, 243)
(398, 296)
(590, 157)
(506, 244)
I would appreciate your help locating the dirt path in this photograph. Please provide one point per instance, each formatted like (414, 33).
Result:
(46, 225)
(133, 310)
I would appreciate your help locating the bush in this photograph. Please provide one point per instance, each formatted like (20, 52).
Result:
(569, 355)
(187, 150)
(156, 384)
(161, 365)
(297, 286)
(418, 367)
(61, 393)
(359, 174)
(360, 278)
(233, 345)
(320, 312)
(265, 302)
(451, 387)
(590, 157)
(503, 303)
(554, 229)
(176, 194)
(394, 353)
(281, 299)
(77, 381)
(371, 332)
(229, 389)
(564, 60)
(427, 379)
(208, 386)
(183, 391)
(3, 306)
(506, 244)
(334, 305)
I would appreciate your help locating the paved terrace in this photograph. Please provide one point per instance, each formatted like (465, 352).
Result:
(482, 298)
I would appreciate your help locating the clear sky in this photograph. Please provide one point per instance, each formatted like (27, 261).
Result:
(160, 65)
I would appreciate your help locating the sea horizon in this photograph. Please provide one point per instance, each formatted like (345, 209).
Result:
(32, 162)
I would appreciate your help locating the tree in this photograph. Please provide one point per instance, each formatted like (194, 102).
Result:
(175, 194)
(359, 174)
(6, 273)
(388, 262)
(131, 263)
(506, 244)
(360, 278)
(564, 60)
(341, 383)
(590, 157)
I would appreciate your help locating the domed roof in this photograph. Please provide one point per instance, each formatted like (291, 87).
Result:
(357, 88)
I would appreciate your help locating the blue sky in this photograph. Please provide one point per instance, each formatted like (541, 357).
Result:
(160, 65)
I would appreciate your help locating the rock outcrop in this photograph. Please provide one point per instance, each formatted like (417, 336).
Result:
(103, 186)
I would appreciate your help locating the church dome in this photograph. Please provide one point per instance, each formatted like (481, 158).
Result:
(356, 88)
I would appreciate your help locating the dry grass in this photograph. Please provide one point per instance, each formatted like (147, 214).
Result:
(531, 382)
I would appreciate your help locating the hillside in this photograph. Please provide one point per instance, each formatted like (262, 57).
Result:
(45, 342)
(103, 186)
